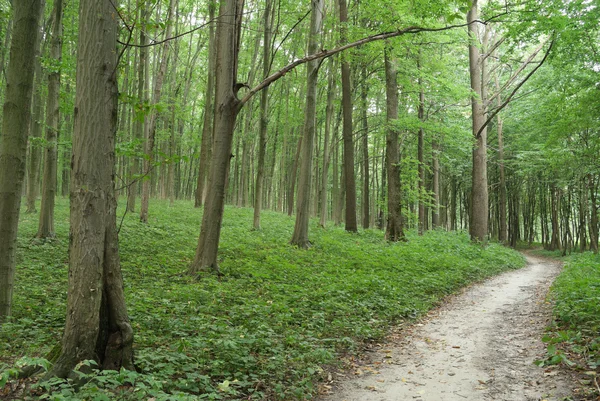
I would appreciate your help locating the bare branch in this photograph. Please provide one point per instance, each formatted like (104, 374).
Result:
(512, 94)
(328, 53)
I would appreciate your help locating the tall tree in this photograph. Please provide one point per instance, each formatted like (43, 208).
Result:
(13, 139)
(97, 326)
(207, 125)
(347, 127)
(46, 223)
(300, 234)
(479, 191)
(264, 109)
(395, 227)
(156, 97)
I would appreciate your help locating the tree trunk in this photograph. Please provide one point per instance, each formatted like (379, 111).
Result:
(435, 161)
(227, 108)
(46, 223)
(264, 99)
(420, 154)
(328, 119)
(347, 133)
(207, 125)
(140, 112)
(478, 227)
(35, 130)
(13, 141)
(592, 186)
(97, 326)
(395, 228)
(151, 133)
(300, 234)
(366, 216)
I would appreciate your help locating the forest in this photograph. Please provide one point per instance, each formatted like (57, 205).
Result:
(228, 199)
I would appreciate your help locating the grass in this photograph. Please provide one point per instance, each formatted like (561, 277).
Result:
(265, 330)
(576, 327)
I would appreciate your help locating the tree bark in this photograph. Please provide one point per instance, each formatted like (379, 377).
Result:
(420, 154)
(328, 119)
(264, 122)
(351, 224)
(300, 234)
(46, 223)
(478, 227)
(395, 227)
(13, 141)
(227, 108)
(207, 125)
(366, 208)
(151, 132)
(97, 326)
(35, 130)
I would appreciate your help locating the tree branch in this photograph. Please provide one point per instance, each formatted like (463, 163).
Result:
(512, 94)
(328, 53)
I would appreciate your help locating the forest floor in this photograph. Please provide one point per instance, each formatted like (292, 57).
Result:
(480, 345)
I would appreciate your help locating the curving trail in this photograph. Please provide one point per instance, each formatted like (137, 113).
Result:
(479, 346)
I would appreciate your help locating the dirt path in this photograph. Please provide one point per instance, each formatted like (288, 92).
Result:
(479, 346)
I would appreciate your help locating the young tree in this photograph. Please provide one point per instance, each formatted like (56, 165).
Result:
(300, 234)
(97, 326)
(13, 138)
(395, 227)
(46, 224)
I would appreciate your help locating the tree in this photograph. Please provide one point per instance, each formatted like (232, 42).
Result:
(479, 191)
(395, 227)
(97, 326)
(300, 234)
(46, 225)
(347, 131)
(13, 139)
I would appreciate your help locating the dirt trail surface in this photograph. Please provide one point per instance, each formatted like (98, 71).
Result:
(481, 345)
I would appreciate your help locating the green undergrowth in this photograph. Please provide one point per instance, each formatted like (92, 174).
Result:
(576, 328)
(267, 328)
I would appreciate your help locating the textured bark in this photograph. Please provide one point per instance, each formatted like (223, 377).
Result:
(478, 227)
(46, 223)
(151, 132)
(366, 217)
(207, 125)
(420, 155)
(435, 161)
(227, 107)
(592, 186)
(347, 134)
(325, 170)
(300, 234)
(264, 122)
(503, 229)
(395, 228)
(13, 141)
(140, 113)
(33, 174)
(97, 326)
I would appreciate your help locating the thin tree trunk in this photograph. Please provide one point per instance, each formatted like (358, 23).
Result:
(13, 141)
(395, 227)
(207, 125)
(347, 133)
(264, 99)
(140, 113)
(366, 216)
(420, 155)
(435, 161)
(151, 133)
(326, 139)
(300, 234)
(97, 326)
(46, 223)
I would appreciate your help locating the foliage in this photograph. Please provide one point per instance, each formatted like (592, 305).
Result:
(577, 311)
(263, 331)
